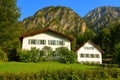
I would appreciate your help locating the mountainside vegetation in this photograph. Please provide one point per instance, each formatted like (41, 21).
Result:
(109, 40)
(102, 17)
(61, 19)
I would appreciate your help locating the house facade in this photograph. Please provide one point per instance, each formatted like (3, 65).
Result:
(45, 37)
(90, 53)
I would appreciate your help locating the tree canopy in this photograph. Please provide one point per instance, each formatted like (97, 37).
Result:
(9, 30)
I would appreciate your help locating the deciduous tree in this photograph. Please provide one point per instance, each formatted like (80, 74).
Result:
(9, 32)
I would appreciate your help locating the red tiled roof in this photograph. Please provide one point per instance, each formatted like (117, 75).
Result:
(96, 46)
(45, 30)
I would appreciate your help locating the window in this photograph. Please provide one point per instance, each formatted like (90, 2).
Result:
(29, 41)
(92, 55)
(89, 48)
(43, 42)
(51, 42)
(97, 56)
(56, 42)
(61, 43)
(87, 55)
(82, 55)
(37, 41)
(33, 41)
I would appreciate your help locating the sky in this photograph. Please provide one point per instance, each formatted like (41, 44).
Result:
(81, 7)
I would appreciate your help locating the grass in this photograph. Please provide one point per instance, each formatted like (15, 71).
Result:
(18, 67)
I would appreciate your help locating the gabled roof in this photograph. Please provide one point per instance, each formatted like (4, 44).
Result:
(46, 30)
(96, 46)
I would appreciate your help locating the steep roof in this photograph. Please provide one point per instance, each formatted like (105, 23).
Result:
(46, 30)
(96, 46)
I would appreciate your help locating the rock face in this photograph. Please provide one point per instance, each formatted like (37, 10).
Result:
(61, 19)
(83, 28)
(65, 20)
(102, 17)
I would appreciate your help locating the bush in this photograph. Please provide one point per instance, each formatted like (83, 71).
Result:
(64, 74)
(116, 56)
(47, 51)
(34, 55)
(3, 56)
(66, 56)
(110, 65)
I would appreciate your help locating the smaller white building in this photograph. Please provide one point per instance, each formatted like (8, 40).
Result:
(90, 53)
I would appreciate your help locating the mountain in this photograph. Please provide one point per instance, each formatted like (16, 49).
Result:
(61, 19)
(102, 17)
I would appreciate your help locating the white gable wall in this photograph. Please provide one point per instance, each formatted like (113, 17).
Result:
(88, 50)
(45, 36)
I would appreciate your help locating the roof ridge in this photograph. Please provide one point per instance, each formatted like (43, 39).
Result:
(44, 30)
(93, 45)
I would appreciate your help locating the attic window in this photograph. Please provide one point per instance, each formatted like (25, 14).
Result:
(89, 48)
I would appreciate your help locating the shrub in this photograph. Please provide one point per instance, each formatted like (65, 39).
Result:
(116, 56)
(110, 65)
(34, 55)
(3, 56)
(47, 51)
(64, 74)
(66, 56)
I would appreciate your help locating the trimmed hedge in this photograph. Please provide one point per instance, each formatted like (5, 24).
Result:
(68, 74)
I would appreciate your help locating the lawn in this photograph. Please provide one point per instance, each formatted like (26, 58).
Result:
(16, 67)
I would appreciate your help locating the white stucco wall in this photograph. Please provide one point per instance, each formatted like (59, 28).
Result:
(82, 50)
(45, 36)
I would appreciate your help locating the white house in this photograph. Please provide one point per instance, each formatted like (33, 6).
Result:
(45, 37)
(90, 53)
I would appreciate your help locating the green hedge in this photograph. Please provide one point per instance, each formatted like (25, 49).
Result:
(68, 74)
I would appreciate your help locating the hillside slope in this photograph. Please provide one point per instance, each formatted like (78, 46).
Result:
(102, 17)
(61, 19)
